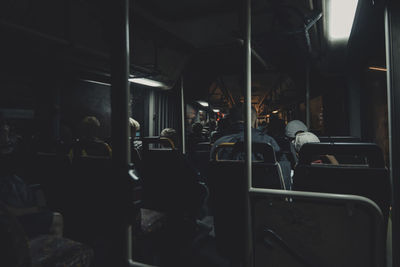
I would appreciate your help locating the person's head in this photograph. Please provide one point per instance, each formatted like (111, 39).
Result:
(276, 127)
(190, 114)
(135, 127)
(223, 124)
(212, 124)
(197, 128)
(304, 138)
(202, 115)
(237, 114)
(295, 127)
(170, 134)
(90, 126)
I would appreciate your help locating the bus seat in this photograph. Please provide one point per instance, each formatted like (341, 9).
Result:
(315, 229)
(352, 153)
(227, 189)
(51, 171)
(169, 183)
(339, 139)
(266, 173)
(200, 157)
(43, 250)
(371, 181)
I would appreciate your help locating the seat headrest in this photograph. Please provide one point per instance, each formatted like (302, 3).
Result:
(339, 139)
(157, 140)
(262, 148)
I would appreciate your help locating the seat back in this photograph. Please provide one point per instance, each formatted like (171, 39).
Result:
(314, 229)
(169, 182)
(370, 180)
(51, 171)
(227, 190)
(352, 153)
(90, 200)
(200, 157)
(372, 183)
(339, 139)
(266, 173)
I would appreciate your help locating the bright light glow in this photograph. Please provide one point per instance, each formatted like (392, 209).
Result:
(203, 103)
(340, 18)
(216, 110)
(147, 82)
(275, 111)
(96, 82)
(377, 68)
(268, 116)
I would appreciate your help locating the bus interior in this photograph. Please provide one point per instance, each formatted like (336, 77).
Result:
(199, 133)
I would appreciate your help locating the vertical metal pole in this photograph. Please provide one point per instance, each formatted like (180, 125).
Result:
(307, 103)
(151, 112)
(183, 118)
(392, 37)
(247, 131)
(120, 127)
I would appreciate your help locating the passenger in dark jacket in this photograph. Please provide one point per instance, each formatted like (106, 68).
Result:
(236, 134)
(276, 129)
(90, 144)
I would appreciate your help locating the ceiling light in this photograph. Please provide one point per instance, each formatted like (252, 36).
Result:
(377, 68)
(147, 82)
(96, 82)
(340, 18)
(216, 110)
(275, 111)
(203, 103)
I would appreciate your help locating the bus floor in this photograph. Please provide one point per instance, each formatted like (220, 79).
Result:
(173, 248)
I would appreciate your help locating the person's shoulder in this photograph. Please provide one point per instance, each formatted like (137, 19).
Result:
(224, 139)
(270, 140)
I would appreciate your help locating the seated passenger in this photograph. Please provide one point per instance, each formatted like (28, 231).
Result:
(293, 128)
(197, 136)
(18, 197)
(222, 129)
(90, 144)
(203, 118)
(237, 134)
(136, 145)
(276, 129)
(307, 137)
(171, 134)
(135, 128)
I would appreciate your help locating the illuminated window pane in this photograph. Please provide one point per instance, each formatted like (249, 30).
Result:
(340, 18)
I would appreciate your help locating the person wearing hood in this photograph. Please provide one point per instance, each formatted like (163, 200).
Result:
(308, 137)
(292, 129)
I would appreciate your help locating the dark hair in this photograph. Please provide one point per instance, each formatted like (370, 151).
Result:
(171, 134)
(276, 127)
(237, 113)
(197, 127)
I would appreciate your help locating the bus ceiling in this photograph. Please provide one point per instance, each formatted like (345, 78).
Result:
(202, 37)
